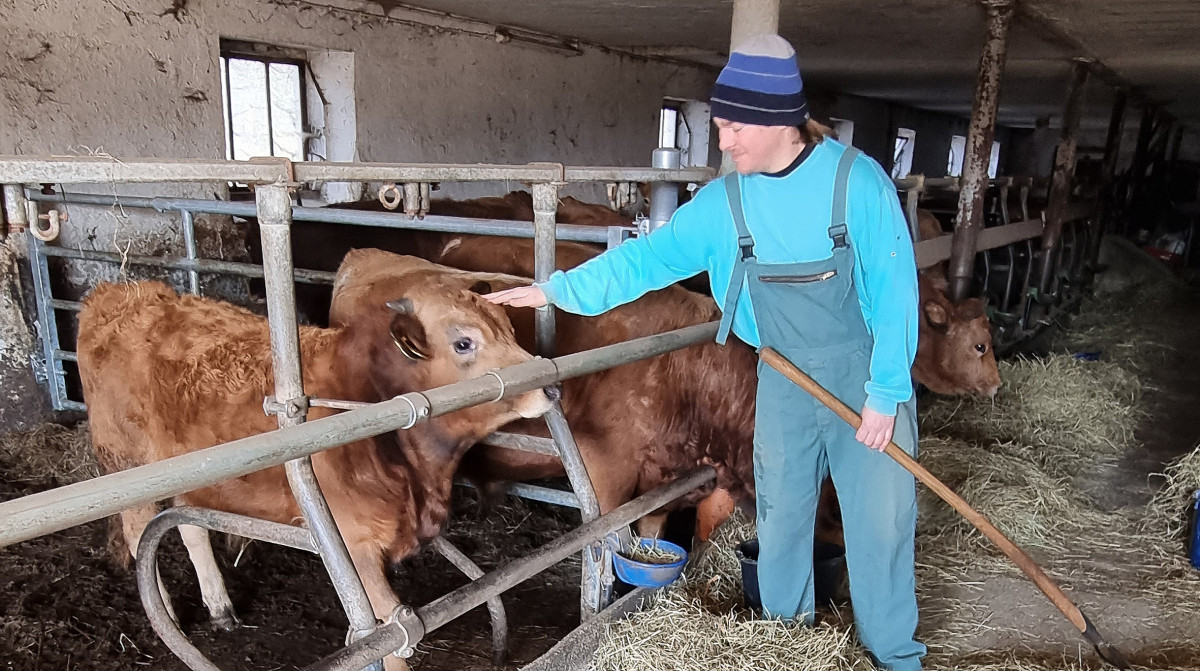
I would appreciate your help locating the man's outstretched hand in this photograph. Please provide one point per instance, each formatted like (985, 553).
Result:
(519, 297)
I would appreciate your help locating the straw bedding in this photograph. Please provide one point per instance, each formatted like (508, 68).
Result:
(1015, 459)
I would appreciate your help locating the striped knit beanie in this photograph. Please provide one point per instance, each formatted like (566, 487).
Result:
(761, 85)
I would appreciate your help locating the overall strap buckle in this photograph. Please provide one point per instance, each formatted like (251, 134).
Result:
(838, 235)
(841, 182)
(746, 243)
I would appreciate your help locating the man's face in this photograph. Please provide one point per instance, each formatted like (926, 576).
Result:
(752, 148)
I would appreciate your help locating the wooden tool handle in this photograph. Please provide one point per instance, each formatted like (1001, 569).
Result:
(1015, 553)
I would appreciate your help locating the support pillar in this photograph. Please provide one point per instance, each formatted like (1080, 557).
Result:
(1108, 170)
(1064, 171)
(980, 135)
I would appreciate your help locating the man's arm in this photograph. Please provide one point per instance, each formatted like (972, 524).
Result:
(888, 293)
(676, 251)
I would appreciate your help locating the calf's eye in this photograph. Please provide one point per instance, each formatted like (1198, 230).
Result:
(981, 348)
(464, 345)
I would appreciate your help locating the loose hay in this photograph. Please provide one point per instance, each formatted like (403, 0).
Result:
(48, 455)
(680, 633)
(1069, 414)
(700, 622)
(1170, 503)
(651, 554)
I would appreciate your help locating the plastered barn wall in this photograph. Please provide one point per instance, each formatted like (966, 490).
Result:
(141, 78)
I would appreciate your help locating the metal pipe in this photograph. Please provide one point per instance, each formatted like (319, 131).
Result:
(176, 263)
(189, 244)
(63, 507)
(15, 214)
(335, 215)
(1108, 170)
(556, 497)
(17, 169)
(275, 220)
(494, 605)
(59, 304)
(1064, 171)
(47, 320)
(698, 174)
(450, 606)
(545, 208)
(109, 170)
(980, 135)
(664, 196)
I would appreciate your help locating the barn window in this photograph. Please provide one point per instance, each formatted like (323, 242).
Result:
(683, 125)
(958, 152)
(843, 129)
(264, 89)
(902, 152)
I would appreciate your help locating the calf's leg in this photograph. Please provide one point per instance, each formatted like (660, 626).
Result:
(212, 587)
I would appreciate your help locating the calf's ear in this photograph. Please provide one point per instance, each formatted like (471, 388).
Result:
(935, 315)
(408, 333)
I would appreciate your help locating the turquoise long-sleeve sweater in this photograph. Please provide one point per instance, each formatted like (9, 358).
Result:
(788, 216)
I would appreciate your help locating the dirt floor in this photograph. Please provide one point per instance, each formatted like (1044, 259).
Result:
(66, 604)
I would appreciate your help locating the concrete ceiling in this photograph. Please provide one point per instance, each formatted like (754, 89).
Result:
(919, 52)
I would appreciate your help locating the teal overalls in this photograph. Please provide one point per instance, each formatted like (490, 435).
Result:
(809, 312)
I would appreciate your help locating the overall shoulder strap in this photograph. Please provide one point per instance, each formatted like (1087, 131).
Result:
(733, 192)
(837, 221)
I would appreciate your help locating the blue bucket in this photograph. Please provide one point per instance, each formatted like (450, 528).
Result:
(643, 574)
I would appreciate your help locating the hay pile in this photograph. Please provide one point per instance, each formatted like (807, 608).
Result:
(49, 455)
(1061, 412)
(701, 622)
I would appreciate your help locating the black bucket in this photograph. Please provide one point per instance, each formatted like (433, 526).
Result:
(829, 564)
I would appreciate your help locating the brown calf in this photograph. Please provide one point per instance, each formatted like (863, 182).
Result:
(165, 374)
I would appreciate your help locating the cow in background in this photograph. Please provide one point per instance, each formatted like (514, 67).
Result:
(165, 374)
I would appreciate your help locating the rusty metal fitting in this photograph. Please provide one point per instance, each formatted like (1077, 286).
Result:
(390, 196)
(405, 618)
(291, 408)
(53, 219)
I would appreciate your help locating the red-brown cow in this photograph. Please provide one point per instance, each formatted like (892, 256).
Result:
(640, 425)
(954, 350)
(165, 374)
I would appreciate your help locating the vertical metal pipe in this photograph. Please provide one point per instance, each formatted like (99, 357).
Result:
(1108, 169)
(980, 136)
(189, 244)
(275, 219)
(14, 208)
(664, 196)
(1064, 171)
(545, 209)
(47, 322)
(1176, 141)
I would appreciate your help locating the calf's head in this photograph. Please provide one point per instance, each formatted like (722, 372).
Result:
(424, 327)
(954, 353)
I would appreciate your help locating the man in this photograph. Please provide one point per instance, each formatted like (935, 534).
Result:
(808, 252)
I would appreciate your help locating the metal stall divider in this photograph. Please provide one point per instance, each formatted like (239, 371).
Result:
(274, 206)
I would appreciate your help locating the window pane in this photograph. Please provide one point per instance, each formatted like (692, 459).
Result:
(285, 110)
(666, 127)
(248, 102)
(225, 107)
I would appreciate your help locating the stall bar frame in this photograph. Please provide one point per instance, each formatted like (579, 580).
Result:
(274, 178)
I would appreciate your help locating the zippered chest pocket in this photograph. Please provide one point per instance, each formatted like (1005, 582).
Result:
(799, 279)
